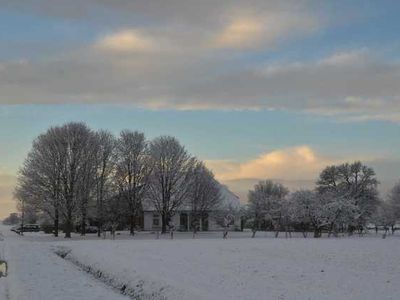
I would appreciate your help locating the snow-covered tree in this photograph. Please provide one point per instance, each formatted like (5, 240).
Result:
(266, 203)
(300, 203)
(355, 183)
(394, 201)
(321, 211)
(384, 217)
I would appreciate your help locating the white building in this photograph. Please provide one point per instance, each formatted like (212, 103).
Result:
(182, 217)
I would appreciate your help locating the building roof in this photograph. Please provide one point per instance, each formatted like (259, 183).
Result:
(229, 201)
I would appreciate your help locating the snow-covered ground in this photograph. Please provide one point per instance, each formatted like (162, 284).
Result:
(36, 273)
(205, 268)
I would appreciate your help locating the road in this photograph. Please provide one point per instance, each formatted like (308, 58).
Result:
(36, 273)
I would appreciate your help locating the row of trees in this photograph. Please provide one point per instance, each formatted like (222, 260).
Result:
(73, 173)
(345, 198)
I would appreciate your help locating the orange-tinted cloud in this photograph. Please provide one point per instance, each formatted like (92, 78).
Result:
(295, 163)
(128, 40)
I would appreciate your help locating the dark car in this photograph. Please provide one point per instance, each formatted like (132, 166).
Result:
(91, 229)
(26, 228)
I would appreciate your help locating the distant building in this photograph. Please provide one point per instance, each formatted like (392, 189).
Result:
(210, 222)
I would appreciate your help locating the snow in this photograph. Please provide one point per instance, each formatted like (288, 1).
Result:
(36, 273)
(204, 268)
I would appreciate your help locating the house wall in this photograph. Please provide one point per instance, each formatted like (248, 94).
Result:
(148, 220)
(148, 217)
(212, 223)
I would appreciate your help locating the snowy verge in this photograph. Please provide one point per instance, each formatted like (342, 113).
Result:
(135, 289)
(291, 269)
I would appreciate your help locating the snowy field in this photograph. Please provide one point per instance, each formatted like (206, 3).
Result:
(205, 268)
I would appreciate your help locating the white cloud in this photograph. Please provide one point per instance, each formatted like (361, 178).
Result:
(126, 41)
(264, 29)
(295, 163)
(240, 33)
(346, 58)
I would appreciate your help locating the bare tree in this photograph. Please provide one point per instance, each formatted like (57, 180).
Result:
(170, 180)
(133, 169)
(204, 196)
(86, 186)
(39, 180)
(76, 142)
(115, 207)
(105, 156)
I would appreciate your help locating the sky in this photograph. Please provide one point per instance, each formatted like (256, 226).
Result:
(257, 89)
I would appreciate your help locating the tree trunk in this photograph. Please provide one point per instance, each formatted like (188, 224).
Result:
(330, 230)
(56, 221)
(83, 224)
(194, 231)
(99, 218)
(132, 224)
(163, 223)
(100, 207)
(68, 225)
(317, 233)
(68, 228)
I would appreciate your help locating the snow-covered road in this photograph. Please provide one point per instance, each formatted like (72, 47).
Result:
(36, 273)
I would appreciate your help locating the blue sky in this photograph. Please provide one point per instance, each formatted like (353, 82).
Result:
(255, 88)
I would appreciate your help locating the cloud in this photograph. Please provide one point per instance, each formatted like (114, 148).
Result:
(265, 29)
(345, 58)
(240, 33)
(354, 85)
(295, 167)
(194, 56)
(126, 41)
(289, 164)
